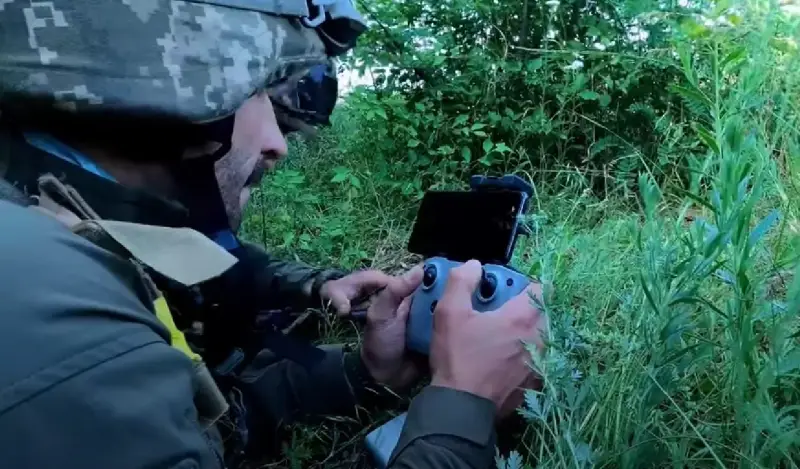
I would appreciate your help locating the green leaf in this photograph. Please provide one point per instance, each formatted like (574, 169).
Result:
(486, 161)
(605, 100)
(707, 138)
(648, 295)
(461, 119)
(578, 83)
(439, 60)
(695, 300)
(480, 133)
(534, 65)
(502, 147)
(340, 174)
(694, 30)
(445, 150)
(536, 409)
(589, 95)
(789, 363)
(466, 154)
(783, 44)
(477, 126)
(735, 20)
(692, 95)
(514, 461)
(487, 145)
(413, 143)
(697, 199)
(381, 112)
(676, 326)
(763, 227)
(355, 182)
(725, 276)
(685, 53)
(734, 57)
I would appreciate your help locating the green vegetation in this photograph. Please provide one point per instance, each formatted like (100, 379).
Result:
(663, 142)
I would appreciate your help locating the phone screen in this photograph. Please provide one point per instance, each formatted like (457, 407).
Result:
(467, 225)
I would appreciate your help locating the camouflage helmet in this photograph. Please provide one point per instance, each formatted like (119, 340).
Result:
(188, 61)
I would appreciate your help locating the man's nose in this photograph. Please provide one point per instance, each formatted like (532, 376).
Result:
(275, 143)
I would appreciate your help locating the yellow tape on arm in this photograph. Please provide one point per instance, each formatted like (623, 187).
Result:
(176, 335)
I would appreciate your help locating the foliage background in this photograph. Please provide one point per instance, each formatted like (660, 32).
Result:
(662, 138)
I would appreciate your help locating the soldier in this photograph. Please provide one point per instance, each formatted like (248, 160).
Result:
(144, 332)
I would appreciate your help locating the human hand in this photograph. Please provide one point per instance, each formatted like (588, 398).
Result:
(341, 292)
(384, 349)
(484, 353)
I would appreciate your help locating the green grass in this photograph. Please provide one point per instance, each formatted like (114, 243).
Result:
(640, 371)
(657, 357)
(674, 338)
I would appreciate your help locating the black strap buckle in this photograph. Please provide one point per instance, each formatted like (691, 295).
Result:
(319, 17)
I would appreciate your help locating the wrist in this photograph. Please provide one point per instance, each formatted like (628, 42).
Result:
(370, 367)
(367, 391)
(315, 287)
(482, 390)
(357, 372)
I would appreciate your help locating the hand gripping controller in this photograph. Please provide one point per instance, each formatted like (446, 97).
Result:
(498, 285)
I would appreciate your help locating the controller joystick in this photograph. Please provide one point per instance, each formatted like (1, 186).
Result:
(429, 276)
(498, 284)
(488, 286)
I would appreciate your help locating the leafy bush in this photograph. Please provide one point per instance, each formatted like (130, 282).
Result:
(470, 86)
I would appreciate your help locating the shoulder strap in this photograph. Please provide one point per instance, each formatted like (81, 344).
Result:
(133, 242)
(21, 165)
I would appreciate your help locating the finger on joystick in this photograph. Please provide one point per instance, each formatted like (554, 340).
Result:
(429, 277)
(488, 285)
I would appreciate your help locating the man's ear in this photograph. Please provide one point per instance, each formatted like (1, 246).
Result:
(200, 151)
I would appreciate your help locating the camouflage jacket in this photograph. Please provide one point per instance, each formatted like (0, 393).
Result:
(120, 346)
(258, 282)
(94, 381)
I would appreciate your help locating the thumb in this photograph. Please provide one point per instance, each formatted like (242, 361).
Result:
(461, 284)
(403, 310)
(524, 314)
(396, 291)
(340, 301)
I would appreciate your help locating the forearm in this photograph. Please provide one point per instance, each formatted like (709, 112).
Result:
(282, 283)
(446, 429)
(285, 392)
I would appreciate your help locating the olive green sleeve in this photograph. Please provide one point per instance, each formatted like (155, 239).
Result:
(446, 428)
(282, 392)
(284, 283)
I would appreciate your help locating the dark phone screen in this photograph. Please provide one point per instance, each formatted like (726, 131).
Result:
(467, 225)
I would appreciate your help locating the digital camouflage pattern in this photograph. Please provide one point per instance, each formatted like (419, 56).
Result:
(187, 59)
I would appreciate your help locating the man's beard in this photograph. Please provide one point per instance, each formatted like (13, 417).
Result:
(235, 171)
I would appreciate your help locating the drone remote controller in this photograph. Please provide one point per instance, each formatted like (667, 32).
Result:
(498, 284)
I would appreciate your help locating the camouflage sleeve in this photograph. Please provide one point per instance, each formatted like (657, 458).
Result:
(283, 283)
